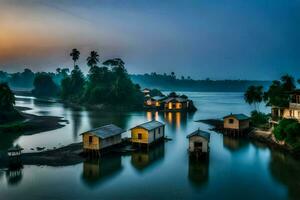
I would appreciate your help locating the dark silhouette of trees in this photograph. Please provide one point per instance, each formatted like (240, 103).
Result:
(72, 87)
(93, 59)
(44, 86)
(7, 98)
(7, 102)
(75, 56)
(254, 96)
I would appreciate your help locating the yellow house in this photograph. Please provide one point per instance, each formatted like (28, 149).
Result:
(236, 122)
(291, 111)
(101, 138)
(148, 133)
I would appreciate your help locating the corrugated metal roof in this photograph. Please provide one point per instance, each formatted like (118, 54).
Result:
(238, 116)
(106, 131)
(200, 133)
(150, 125)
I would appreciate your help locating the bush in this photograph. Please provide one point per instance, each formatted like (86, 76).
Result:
(288, 130)
(259, 118)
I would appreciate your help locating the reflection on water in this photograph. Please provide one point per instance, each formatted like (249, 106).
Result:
(14, 175)
(286, 170)
(97, 171)
(198, 172)
(143, 159)
(234, 144)
(176, 120)
(250, 168)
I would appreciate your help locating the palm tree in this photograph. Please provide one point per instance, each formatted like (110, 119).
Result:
(93, 59)
(7, 98)
(254, 95)
(75, 55)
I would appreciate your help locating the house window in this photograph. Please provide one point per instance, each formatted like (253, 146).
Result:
(291, 113)
(158, 130)
(139, 136)
(231, 121)
(90, 139)
(170, 106)
(198, 145)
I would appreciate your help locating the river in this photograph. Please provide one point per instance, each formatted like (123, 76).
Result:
(237, 169)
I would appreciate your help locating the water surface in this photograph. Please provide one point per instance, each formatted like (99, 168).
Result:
(236, 168)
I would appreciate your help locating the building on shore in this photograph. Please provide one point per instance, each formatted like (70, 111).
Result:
(291, 111)
(198, 143)
(101, 138)
(236, 124)
(170, 103)
(147, 133)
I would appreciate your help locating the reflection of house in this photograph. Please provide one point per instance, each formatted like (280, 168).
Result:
(97, 171)
(234, 144)
(14, 175)
(199, 142)
(148, 133)
(198, 172)
(292, 111)
(236, 122)
(142, 159)
(100, 138)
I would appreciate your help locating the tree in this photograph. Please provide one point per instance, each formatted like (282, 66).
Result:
(7, 98)
(72, 87)
(93, 59)
(278, 92)
(75, 55)
(44, 85)
(288, 83)
(254, 96)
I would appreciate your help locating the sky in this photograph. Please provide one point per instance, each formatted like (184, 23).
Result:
(219, 39)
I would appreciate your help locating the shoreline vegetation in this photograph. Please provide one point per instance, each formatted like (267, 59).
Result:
(281, 131)
(255, 134)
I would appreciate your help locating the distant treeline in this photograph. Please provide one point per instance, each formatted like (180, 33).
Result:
(24, 80)
(172, 83)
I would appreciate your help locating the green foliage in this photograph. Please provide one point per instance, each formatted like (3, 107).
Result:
(7, 102)
(22, 80)
(109, 84)
(259, 119)
(254, 95)
(278, 93)
(7, 98)
(288, 130)
(155, 92)
(72, 87)
(44, 85)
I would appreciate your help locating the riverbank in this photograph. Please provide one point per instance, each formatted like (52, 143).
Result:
(67, 155)
(264, 136)
(32, 124)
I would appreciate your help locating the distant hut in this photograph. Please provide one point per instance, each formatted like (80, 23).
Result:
(101, 138)
(176, 104)
(199, 143)
(14, 155)
(236, 124)
(146, 91)
(148, 133)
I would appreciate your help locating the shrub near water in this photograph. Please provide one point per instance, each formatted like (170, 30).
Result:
(288, 130)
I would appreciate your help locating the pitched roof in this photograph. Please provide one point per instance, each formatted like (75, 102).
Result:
(106, 131)
(177, 99)
(240, 117)
(150, 125)
(158, 98)
(200, 133)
